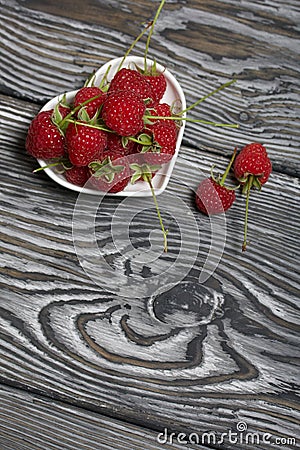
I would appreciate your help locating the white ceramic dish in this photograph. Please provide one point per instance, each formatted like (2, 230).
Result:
(173, 94)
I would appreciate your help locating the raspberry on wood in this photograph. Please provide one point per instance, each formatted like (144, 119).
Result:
(252, 168)
(212, 198)
(212, 195)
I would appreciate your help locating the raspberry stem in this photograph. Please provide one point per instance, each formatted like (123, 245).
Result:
(206, 122)
(249, 185)
(77, 108)
(104, 81)
(65, 163)
(151, 32)
(202, 99)
(47, 166)
(223, 179)
(133, 44)
(147, 177)
(89, 125)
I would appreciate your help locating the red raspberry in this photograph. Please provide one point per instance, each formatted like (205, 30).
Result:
(252, 168)
(123, 113)
(132, 80)
(118, 146)
(44, 139)
(84, 144)
(110, 175)
(253, 161)
(162, 110)
(213, 198)
(158, 84)
(162, 149)
(77, 175)
(86, 93)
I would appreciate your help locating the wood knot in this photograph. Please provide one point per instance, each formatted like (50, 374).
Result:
(186, 304)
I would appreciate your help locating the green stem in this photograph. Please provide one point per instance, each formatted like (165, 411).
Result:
(47, 166)
(137, 141)
(77, 108)
(223, 179)
(151, 32)
(164, 231)
(202, 99)
(133, 44)
(89, 125)
(104, 78)
(249, 185)
(206, 122)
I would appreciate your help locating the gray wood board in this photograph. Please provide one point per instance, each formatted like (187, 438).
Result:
(32, 422)
(65, 337)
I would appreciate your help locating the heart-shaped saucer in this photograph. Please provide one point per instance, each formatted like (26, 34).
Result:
(173, 95)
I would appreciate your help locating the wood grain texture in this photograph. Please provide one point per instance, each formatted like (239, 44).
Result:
(43, 54)
(207, 355)
(31, 422)
(65, 337)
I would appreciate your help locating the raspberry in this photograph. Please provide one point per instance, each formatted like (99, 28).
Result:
(110, 175)
(252, 168)
(84, 143)
(44, 139)
(213, 198)
(161, 110)
(86, 93)
(163, 146)
(253, 161)
(123, 113)
(77, 175)
(132, 80)
(158, 84)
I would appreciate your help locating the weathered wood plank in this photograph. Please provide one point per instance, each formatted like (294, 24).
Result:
(30, 422)
(65, 337)
(43, 54)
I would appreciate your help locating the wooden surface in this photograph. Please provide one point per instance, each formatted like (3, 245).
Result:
(29, 421)
(99, 365)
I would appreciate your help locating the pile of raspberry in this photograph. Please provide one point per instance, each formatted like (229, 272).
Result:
(93, 137)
